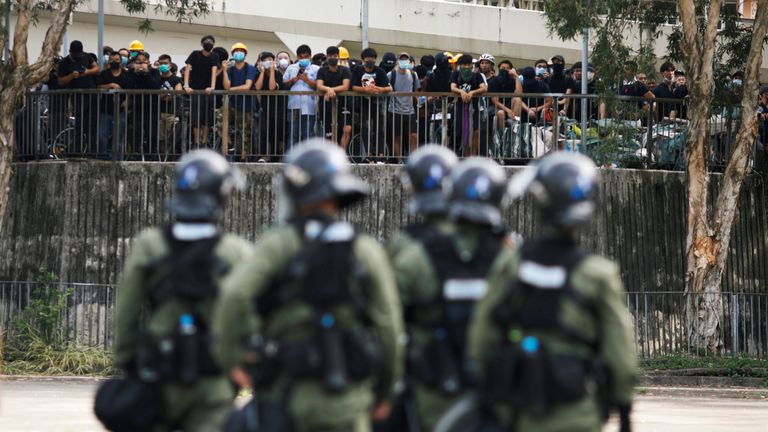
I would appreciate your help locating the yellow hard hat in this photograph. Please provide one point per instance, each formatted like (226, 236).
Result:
(455, 58)
(448, 54)
(240, 46)
(343, 53)
(136, 46)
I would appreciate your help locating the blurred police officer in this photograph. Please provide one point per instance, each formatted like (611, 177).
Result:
(177, 270)
(440, 277)
(552, 339)
(313, 320)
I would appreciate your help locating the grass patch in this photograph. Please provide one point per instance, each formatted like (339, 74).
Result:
(710, 366)
(39, 358)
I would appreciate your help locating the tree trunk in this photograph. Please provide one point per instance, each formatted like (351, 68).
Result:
(6, 148)
(704, 308)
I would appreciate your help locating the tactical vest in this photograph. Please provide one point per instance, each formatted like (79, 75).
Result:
(188, 274)
(319, 275)
(462, 281)
(523, 371)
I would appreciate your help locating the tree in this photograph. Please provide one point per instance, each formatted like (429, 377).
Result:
(17, 74)
(696, 41)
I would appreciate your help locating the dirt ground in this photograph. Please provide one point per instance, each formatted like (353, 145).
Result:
(64, 405)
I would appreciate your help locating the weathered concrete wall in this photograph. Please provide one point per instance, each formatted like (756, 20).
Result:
(77, 219)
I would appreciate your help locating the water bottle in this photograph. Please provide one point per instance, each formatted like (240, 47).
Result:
(187, 354)
(334, 362)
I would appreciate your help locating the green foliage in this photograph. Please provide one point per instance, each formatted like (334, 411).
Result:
(37, 342)
(708, 365)
(180, 10)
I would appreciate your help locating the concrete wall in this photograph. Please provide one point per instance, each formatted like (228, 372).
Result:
(77, 219)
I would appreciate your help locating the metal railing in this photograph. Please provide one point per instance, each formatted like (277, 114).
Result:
(86, 319)
(659, 319)
(662, 326)
(536, 5)
(262, 126)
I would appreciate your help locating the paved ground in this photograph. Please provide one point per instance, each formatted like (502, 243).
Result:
(66, 405)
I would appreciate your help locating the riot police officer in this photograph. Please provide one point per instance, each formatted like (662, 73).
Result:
(324, 347)
(554, 325)
(177, 270)
(440, 277)
(424, 175)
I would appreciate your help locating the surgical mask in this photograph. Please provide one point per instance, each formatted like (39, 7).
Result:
(333, 62)
(106, 58)
(404, 64)
(207, 45)
(558, 69)
(238, 56)
(266, 64)
(590, 76)
(466, 73)
(304, 63)
(283, 63)
(540, 71)
(737, 82)
(370, 64)
(115, 65)
(133, 54)
(164, 68)
(123, 60)
(409, 66)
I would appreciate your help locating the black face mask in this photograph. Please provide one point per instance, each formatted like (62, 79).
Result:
(115, 65)
(333, 62)
(207, 46)
(558, 69)
(370, 64)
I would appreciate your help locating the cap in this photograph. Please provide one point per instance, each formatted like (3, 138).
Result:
(557, 57)
(404, 54)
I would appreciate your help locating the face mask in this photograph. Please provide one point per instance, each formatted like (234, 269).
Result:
(737, 82)
(266, 64)
(164, 68)
(409, 66)
(115, 65)
(304, 63)
(133, 54)
(106, 58)
(590, 76)
(403, 64)
(466, 73)
(370, 64)
(333, 62)
(238, 56)
(540, 71)
(558, 69)
(207, 46)
(283, 63)
(123, 60)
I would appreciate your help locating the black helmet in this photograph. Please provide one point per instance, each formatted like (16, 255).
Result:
(564, 187)
(478, 186)
(204, 179)
(317, 170)
(424, 174)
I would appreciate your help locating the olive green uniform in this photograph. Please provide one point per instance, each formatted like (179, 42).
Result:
(202, 406)
(419, 286)
(310, 406)
(596, 281)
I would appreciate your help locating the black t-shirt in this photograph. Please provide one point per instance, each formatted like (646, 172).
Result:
(574, 107)
(80, 63)
(473, 84)
(169, 83)
(144, 81)
(503, 83)
(559, 84)
(334, 79)
(439, 81)
(200, 75)
(533, 86)
(106, 77)
(633, 88)
(363, 78)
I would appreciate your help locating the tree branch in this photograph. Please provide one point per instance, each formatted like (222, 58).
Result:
(690, 28)
(735, 172)
(21, 33)
(711, 36)
(51, 44)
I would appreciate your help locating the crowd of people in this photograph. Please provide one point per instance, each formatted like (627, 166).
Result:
(263, 127)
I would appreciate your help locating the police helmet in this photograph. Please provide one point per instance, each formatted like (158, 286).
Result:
(425, 172)
(204, 179)
(564, 186)
(317, 170)
(478, 186)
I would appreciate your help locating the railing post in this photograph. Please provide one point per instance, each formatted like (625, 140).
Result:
(649, 139)
(735, 324)
(334, 118)
(555, 127)
(116, 127)
(444, 122)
